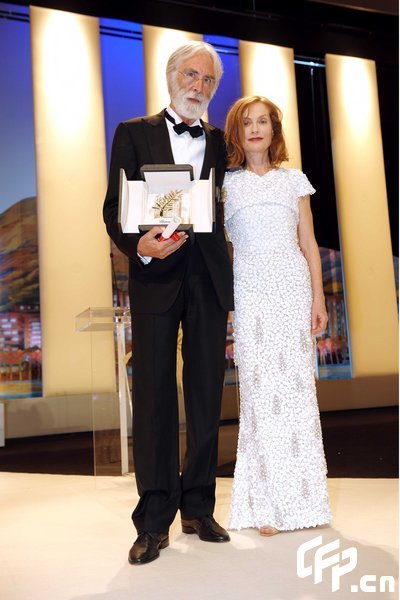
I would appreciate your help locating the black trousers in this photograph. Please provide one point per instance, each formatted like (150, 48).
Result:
(162, 488)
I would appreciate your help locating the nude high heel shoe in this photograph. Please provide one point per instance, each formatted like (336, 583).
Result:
(267, 530)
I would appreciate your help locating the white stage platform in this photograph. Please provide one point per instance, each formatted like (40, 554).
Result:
(67, 538)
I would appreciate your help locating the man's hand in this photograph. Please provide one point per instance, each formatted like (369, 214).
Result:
(150, 246)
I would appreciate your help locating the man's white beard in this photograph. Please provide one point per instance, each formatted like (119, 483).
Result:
(184, 108)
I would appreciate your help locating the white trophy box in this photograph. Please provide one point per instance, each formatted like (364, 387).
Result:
(166, 193)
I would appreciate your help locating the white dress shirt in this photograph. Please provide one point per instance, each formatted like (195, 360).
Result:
(185, 149)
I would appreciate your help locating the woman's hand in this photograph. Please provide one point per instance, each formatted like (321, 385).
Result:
(319, 316)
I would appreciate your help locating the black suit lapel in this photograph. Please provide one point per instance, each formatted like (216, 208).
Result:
(210, 158)
(158, 139)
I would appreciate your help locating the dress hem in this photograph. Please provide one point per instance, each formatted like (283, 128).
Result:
(256, 526)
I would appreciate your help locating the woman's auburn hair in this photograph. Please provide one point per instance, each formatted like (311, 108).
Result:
(277, 152)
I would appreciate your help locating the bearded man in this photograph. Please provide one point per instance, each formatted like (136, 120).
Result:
(175, 283)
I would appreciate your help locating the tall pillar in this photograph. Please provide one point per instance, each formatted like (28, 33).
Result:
(363, 214)
(74, 248)
(267, 70)
(158, 45)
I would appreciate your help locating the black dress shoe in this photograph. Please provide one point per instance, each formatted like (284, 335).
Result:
(147, 547)
(206, 528)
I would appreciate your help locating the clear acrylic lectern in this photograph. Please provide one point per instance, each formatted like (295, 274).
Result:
(112, 411)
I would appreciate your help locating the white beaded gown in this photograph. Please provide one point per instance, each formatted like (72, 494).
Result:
(280, 473)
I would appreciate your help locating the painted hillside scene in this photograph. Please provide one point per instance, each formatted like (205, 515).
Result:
(20, 336)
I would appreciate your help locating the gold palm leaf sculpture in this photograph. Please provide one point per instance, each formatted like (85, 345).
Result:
(165, 203)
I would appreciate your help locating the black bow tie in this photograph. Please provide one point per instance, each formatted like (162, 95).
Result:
(195, 131)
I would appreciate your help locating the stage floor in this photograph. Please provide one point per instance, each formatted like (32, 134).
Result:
(66, 537)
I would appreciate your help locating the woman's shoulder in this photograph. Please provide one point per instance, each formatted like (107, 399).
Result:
(233, 192)
(233, 180)
(233, 173)
(289, 172)
(298, 180)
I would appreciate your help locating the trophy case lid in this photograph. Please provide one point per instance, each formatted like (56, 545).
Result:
(180, 172)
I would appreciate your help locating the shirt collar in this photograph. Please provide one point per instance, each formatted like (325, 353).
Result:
(178, 118)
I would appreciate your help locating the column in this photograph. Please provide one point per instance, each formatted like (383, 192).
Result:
(74, 248)
(268, 70)
(363, 214)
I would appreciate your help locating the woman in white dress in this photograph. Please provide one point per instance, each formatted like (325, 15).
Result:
(280, 474)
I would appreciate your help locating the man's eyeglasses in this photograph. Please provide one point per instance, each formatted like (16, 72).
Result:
(193, 77)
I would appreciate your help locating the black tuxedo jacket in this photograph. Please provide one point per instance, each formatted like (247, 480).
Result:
(154, 287)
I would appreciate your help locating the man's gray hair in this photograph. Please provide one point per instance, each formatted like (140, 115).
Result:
(187, 51)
